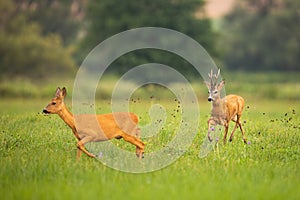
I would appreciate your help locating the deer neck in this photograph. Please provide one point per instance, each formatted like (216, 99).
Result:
(218, 108)
(67, 116)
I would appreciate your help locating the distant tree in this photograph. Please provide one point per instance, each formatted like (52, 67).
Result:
(25, 51)
(262, 35)
(60, 17)
(106, 18)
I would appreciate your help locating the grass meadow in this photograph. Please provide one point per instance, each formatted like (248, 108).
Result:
(38, 152)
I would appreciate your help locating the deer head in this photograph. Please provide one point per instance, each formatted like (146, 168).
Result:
(213, 87)
(57, 102)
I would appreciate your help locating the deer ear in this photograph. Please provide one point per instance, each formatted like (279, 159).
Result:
(64, 92)
(221, 84)
(57, 93)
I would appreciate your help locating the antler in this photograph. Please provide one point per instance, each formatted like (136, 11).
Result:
(217, 75)
(213, 77)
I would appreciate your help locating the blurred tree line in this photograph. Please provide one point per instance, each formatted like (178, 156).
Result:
(109, 17)
(35, 38)
(42, 38)
(262, 35)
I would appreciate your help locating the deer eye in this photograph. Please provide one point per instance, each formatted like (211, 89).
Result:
(215, 92)
(53, 103)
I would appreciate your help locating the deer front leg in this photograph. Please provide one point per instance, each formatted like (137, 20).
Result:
(80, 146)
(211, 123)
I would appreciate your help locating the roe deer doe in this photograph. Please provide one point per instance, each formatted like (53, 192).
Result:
(225, 109)
(113, 125)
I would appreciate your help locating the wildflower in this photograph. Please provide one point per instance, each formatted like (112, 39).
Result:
(100, 154)
(217, 139)
(248, 142)
(212, 128)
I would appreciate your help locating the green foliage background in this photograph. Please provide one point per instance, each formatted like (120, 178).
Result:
(44, 39)
(262, 35)
(25, 50)
(42, 44)
(124, 15)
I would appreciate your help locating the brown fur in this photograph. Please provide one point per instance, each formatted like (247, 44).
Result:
(94, 128)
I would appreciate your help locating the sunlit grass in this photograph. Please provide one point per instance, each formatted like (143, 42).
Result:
(38, 157)
(38, 152)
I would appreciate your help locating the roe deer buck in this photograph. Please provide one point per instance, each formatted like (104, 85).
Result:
(225, 109)
(113, 125)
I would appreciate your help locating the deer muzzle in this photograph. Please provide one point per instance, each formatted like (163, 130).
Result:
(46, 111)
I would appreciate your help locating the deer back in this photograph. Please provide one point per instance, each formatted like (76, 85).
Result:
(106, 126)
(234, 106)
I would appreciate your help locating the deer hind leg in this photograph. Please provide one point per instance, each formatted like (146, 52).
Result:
(225, 132)
(138, 133)
(238, 123)
(137, 142)
(78, 154)
(139, 150)
(232, 133)
(243, 133)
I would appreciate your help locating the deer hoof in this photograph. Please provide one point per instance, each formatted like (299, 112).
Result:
(140, 155)
(92, 155)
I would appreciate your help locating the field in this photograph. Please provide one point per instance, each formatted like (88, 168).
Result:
(38, 152)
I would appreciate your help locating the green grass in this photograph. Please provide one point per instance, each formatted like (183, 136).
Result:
(38, 152)
(38, 157)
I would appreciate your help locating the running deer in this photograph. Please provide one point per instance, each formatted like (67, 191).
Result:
(108, 126)
(225, 109)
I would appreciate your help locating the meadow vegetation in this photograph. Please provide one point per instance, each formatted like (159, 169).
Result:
(44, 41)
(38, 152)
